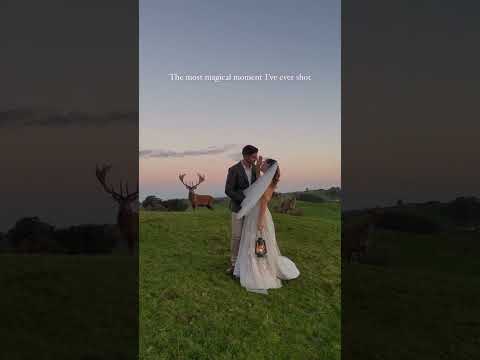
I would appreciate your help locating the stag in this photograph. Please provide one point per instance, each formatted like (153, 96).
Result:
(357, 238)
(127, 216)
(197, 200)
(288, 205)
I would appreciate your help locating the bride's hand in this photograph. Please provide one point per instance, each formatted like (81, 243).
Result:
(260, 226)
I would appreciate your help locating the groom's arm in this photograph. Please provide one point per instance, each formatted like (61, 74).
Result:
(257, 167)
(233, 194)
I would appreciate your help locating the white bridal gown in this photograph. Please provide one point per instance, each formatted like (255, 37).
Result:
(257, 274)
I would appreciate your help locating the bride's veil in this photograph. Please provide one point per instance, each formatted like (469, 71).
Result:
(255, 191)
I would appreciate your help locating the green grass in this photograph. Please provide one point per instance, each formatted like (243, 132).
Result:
(68, 307)
(190, 309)
(417, 299)
(324, 211)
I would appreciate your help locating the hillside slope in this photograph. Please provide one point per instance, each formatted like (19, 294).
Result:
(190, 309)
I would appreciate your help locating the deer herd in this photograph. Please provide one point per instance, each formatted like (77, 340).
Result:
(354, 242)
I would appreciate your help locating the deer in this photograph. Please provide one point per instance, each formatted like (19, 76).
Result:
(357, 238)
(197, 200)
(127, 216)
(288, 204)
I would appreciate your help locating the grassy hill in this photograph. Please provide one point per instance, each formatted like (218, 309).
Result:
(319, 195)
(190, 309)
(68, 307)
(315, 195)
(416, 292)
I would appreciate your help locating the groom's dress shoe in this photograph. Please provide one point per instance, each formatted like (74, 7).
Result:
(229, 271)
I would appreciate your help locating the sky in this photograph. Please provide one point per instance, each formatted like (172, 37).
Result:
(68, 101)
(409, 102)
(201, 126)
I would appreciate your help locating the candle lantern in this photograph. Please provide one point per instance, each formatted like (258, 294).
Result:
(260, 246)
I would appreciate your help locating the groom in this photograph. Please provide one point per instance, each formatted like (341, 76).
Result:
(240, 176)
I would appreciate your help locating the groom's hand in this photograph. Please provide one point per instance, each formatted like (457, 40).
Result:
(258, 164)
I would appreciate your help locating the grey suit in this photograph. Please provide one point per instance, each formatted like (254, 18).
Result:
(237, 181)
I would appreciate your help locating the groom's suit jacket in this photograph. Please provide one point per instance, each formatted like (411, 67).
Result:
(237, 181)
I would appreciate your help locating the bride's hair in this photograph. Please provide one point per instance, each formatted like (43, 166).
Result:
(276, 177)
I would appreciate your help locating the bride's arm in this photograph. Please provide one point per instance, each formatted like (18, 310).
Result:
(261, 213)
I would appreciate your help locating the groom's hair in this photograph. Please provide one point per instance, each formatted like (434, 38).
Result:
(249, 150)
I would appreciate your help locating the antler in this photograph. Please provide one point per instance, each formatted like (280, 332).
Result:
(181, 177)
(131, 196)
(101, 173)
(201, 178)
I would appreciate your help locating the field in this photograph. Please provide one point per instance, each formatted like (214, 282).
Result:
(191, 309)
(68, 307)
(415, 297)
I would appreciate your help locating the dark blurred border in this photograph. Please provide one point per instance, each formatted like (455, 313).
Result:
(68, 120)
(410, 180)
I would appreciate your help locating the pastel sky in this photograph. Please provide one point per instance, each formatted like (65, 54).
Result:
(201, 126)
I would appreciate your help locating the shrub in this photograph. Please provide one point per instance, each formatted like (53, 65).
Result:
(309, 197)
(88, 239)
(333, 192)
(153, 203)
(32, 235)
(407, 222)
(176, 204)
(220, 201)
(3, 241)
(465, 210)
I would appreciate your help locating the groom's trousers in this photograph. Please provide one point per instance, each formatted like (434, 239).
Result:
(237, 225)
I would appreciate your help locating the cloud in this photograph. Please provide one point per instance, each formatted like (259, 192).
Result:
(30, 117)
(162, 153)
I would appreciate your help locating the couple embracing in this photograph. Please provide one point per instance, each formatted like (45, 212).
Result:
(250, 186)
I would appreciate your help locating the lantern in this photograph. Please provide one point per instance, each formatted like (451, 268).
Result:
(260, 247)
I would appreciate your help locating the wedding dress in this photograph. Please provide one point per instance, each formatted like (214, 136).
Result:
(258, 274)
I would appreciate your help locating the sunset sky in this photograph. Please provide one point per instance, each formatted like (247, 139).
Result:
(201, 126)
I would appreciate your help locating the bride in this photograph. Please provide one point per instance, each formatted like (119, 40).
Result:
(257, 274)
